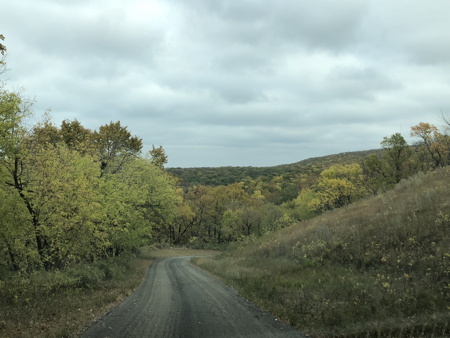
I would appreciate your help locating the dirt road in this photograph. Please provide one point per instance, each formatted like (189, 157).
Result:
(178, 300)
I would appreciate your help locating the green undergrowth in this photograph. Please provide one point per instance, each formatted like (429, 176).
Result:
(377, 268)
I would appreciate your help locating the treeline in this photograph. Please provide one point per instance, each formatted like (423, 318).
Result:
(229, 175)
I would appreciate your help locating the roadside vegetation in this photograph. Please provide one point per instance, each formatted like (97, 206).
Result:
(61, 303)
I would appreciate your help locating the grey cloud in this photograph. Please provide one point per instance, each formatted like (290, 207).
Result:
(408, 32)
(319, 24)
(80, 35)
(431, 50)
(358, 83)
(325, 24)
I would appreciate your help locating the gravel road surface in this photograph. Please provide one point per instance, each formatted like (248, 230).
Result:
(178, 300)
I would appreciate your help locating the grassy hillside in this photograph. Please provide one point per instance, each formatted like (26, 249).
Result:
(229, 175)
(379, 267)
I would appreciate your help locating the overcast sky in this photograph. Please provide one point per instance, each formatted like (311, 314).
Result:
(237, 82)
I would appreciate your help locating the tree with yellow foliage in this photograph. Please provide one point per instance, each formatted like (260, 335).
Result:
(339, 185)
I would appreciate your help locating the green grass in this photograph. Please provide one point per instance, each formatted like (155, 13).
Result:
(64, 303)
(379, 267)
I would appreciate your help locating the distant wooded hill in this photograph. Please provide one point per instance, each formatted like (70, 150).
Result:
(229, 175)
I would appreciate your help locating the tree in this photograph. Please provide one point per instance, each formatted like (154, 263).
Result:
(446, 120)
(115, 147)
(183, 226)
(75, 136)
(199, 218)
(158, 156)
(377, 174)
(338, 186)
(3, 54)
(2, 47)
(15, 229)
(44, 134)
(57, 188)
(139, 199)
(303, 206)
(13, 110)
(396, 162)
(62, 197)
(397, 154)
(69, 194)
(436, 143)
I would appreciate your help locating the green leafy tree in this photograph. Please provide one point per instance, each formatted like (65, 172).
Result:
(137, 200)
(44, 134)
(69, 194)
(115, 147)
(158, 156)
(57, 188)
(303, 207)
(397, 154)
(15, 229)
(377, 174)
(396, 162)
(62, 198)
(230, 227)
(75, 136)
(251, 217)
(13, 111)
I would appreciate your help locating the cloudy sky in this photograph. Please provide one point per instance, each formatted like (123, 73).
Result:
(235, 82)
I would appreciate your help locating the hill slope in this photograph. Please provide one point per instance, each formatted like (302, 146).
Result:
(228, 175)
(379, 267)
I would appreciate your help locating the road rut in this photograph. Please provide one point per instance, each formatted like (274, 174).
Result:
(178, 300)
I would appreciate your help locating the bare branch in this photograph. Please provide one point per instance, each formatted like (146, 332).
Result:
(446, 119)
